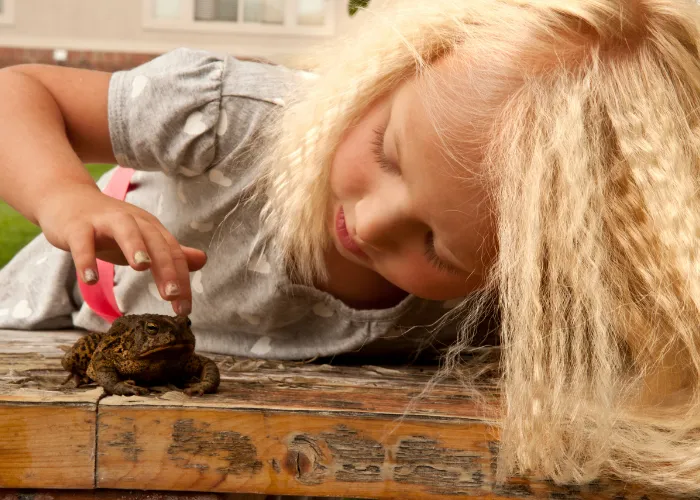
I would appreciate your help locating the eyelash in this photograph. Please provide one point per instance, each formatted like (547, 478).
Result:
(378, 150)
(433, 258)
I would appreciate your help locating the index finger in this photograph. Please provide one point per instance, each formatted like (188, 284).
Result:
(165, 273)
(171, 262)
(182, 304)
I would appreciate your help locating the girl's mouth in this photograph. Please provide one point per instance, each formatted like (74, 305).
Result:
(344, 237)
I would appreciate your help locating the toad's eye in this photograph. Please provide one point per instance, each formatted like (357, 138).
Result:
(189, 322)
(151, 328)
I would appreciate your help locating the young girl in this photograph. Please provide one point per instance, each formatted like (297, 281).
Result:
(541, 155)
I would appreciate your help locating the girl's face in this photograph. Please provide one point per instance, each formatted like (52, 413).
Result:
(402, 208)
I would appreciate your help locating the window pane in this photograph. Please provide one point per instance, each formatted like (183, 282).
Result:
(166, 9)
(216, 10)
(311, 12)
(228, 10)
(264, 11)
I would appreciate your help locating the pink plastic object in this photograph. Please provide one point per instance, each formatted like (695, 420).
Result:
(100, 296)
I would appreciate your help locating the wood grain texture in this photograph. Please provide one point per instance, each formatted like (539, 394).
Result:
(119, 495)
(298, 453)
(47, 446)
(47, 432)
(273, 428)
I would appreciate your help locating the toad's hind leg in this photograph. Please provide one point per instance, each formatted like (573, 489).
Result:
(204, 376)
(78, 358)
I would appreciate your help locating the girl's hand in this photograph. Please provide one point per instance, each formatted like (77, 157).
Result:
(53, 120)
(89, 224)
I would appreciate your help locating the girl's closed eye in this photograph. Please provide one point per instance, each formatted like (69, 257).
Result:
(434, 258)
(378, 150)
(386, 164)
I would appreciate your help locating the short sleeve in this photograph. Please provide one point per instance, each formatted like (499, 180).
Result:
(188, 110)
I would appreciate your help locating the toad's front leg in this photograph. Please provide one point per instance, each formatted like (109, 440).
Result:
(204, 376)
(106, 375)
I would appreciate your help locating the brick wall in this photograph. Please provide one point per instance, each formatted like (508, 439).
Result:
(104, 61)
(88, 59)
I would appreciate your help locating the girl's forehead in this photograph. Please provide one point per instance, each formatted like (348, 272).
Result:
(450, 107)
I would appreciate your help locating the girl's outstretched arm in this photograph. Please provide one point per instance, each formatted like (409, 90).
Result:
(52, 120)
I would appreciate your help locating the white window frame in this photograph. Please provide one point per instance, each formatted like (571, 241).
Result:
(187, 22)
(7, 16)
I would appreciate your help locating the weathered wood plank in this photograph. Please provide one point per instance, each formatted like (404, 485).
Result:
(294, 386)
(273, 428)
(290, 453)
(47, 446)
(47, 432)
(301, 453)
(118, 495)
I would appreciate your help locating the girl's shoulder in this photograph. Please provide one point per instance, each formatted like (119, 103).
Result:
(251, 78)
(188, 111)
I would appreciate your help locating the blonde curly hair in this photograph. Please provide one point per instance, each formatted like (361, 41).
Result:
(592, 157)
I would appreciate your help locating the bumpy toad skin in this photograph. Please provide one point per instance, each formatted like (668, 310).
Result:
(148, 349)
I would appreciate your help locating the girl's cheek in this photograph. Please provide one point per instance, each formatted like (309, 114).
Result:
(413, 276)
(421, 279)
(348, 172)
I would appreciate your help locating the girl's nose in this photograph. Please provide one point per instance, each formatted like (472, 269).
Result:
(381, 221)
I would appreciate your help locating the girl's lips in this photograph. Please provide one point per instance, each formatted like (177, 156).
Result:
(343, 236)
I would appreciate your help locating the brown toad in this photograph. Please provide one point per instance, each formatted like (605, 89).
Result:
(143, 348)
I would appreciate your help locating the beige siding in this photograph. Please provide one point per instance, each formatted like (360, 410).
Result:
(117, 25)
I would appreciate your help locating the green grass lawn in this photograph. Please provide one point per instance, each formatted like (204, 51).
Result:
(16, 231)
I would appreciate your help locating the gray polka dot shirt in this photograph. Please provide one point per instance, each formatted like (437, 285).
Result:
(189, 123)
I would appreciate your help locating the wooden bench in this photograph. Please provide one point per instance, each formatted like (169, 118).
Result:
(273, 428)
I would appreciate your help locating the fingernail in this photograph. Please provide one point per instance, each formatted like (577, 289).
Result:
(141, 257)
(90, 276)
(183, 307)
(171, 288)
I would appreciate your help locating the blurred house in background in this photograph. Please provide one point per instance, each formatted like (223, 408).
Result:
(116, 34)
